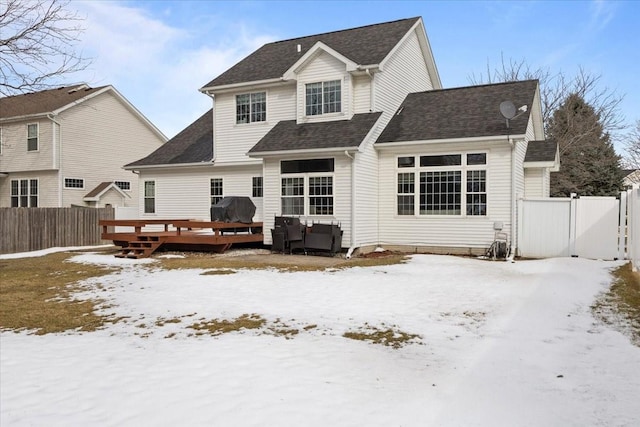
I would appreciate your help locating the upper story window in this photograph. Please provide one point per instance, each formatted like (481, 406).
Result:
(32, 137)
(323, 98)
(251, 107)
(73, 183)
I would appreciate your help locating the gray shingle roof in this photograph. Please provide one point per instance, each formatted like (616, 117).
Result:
(363, 45)
(464, 112)
(42, 102)
(194, 144)
(541, 151)
(341, 134)
(99, 189)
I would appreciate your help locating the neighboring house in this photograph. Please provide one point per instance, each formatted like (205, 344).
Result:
(631, 178)
(354, 127)
(66, 147)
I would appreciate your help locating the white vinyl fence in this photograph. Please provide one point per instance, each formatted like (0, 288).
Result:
(559, 227)
(633, 227)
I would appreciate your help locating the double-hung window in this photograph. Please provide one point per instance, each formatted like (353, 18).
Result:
(251, 107)
(323, 98)
(149, 197)
(216, 190)
(24, 193)
(307, 187)
(123, 185)
(32, 137)
(451, 184)
(256, 184)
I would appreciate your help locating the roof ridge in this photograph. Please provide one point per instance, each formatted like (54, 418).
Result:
(343, 30)
(475, 86)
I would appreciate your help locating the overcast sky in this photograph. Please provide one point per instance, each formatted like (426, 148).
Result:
(159, 53)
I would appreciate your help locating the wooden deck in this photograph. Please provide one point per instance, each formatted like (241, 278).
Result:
(144, 237)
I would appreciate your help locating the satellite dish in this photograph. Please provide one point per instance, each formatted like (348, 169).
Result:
(508, 109)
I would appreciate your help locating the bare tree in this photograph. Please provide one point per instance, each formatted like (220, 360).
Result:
(632, 147)
(556, 88)
(37, 44)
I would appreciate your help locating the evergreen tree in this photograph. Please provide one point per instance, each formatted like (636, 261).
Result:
(589, 165)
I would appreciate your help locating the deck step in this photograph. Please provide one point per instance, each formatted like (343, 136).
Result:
(141, 248)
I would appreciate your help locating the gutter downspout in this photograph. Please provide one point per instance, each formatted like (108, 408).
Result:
(59, 152)
(512, 249)
(352, 246)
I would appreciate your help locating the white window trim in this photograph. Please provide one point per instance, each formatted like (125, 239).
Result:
(211, 196)
(144, 197)
(73, 188)
(250, 123)
(37, 125)
(343, 104)
(29, 195)
(253, 187)
(117, 181)
(463, 167)
(306, 196)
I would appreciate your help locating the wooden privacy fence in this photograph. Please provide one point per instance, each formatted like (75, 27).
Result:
(31, 229)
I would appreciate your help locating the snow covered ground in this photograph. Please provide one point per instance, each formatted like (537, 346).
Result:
(500, 344)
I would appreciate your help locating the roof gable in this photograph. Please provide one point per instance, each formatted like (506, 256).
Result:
(43, 102)
(194, 144)
(102, 188)
(366, 45)
(465, 112)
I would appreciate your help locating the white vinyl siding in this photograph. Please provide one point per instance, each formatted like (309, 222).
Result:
(361, 94)
(404, 72)
(186, 193)
(341, 182)
(534, 182)
(233, 141)
(446, 230)
(324, 68)
(16, 157)
(100, 136)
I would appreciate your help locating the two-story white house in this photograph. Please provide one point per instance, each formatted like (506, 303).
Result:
(66, 147)
(354, 127)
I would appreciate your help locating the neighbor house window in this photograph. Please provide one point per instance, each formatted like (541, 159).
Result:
(216, 190)
(450, 184)
(24, 193)
(32, 137)
(307, 187)
(123, 185)
(323, 98)
(149, 197)
(73, 183)
(256, 184)
(251, 107)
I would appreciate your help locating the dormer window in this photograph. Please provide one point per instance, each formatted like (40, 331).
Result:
(323, 98)
(251, 107)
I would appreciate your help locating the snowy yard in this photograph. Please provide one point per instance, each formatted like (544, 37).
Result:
(498, 344)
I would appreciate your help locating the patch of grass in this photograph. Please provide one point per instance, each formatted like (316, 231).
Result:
(283, 263)
(217, 272)
(36, 294)
(620, 305)
(217, 327)
(388, 337)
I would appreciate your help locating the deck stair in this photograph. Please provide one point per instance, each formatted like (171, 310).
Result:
(141, 248)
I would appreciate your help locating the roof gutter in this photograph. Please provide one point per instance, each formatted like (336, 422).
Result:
(208, 89)
(382, 146)
(166, 166)
(304, 151)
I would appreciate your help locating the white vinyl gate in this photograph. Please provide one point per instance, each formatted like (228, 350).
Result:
(560, 227)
